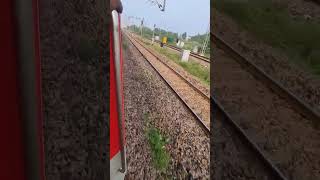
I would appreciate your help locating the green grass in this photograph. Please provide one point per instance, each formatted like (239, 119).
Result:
(125, 44)
(193, 68)
(157, 142)
(271, 22)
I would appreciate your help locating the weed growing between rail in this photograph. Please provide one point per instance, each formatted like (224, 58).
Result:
(271, 21)
(192, 67)
(157, 142)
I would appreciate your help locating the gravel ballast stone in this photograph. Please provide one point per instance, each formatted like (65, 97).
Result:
(146, 93)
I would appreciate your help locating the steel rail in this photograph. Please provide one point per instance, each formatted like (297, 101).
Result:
(194, 114)
(176, 72)
(217, 107)
(197, 56)
(298, 104)
(203, 58)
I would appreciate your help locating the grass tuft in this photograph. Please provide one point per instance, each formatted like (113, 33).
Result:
(157, 142)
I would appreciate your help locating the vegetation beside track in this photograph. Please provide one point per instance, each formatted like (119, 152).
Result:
(271, 22)
(196, 40)
(157, 142)
(191, 67)
(124, 44)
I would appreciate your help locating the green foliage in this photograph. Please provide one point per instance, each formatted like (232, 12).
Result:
(197, 40)
(271, 22)
(200, 38)
(184, 35)
(147, 33)
(160, 156)
(125, 44)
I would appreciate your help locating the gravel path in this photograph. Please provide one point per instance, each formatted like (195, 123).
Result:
(273, 62)
(287, 137)
(145, 92)
(75, 119)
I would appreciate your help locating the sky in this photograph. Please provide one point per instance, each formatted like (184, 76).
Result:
(191, 16)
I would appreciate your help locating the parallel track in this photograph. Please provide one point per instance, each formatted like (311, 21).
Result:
(270, 167)
(202, 58)
(294, 102)
(197, 56)
(257, 72)
(199, 120)
(219, 111)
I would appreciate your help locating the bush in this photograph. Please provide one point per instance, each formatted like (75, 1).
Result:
(157, 142)
(159, 154)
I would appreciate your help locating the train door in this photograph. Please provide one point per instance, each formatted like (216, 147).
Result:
(117, 134)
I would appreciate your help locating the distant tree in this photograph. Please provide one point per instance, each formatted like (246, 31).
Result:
(184, 35)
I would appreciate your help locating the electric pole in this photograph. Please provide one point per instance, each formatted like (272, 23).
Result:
(154, 27)
(206, 41)
(141, 25)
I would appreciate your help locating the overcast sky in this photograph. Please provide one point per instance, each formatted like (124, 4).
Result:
(191, 16)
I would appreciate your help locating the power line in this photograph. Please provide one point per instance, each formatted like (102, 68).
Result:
(160, 5)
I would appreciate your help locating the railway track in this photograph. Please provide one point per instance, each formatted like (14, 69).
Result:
(193, 98)
(202, 59)
(197, 56)
(284, 128)
(264, 167)
(234, 153)
(298, 103)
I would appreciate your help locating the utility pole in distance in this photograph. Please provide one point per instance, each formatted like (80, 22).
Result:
(206, 41)
(154, 27)
(142, 25)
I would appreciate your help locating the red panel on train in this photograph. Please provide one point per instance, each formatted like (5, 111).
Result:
(114, 125)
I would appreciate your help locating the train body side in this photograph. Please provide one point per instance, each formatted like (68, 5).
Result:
(117, 134)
